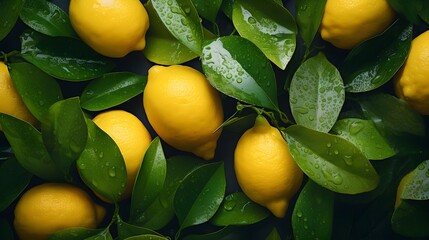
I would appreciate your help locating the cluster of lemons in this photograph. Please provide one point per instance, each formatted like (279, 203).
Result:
(185, 111)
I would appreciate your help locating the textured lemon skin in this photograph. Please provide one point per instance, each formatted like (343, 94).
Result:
(265, 170)
(183, 109)
(113, 28)
(132, 138)
(412, 80)
(346, 23)
(50, 207)
(11, 103)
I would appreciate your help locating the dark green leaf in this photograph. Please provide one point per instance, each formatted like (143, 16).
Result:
(308, 17)
(237, 68)
(27, 145)
(208, 9)
(238, 209)
(375, 61)
(6, 229)
(269, 26)
(111, 90)
(181, 18)
(9, 13)
(227, 7)
(101, 164)
(47, 18)
(417, 187)
(62, 57)
(411, 219)
(65, 133)
(274, 235)
(13, 180)
(312, 215)
(200, 194)
(228, 232)
(147, 237)
(424, 13)
(321, 84)
(128, 230)
(408, 9)
(103, 235)
(77, 233)
(331, 161)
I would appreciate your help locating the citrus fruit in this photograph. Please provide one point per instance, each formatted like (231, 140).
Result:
(132, 138)
(412, 80)
(265, 169)
(111, 27)
(346, 23)
(50, 207)
(183, 109)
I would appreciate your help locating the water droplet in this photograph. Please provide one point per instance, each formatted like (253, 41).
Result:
(190, 38)
(112, 172)
(355, 127)
(229, 75)
(329, 145)
(348, 160)
(322, 90)
(82, 166)
(169, 2)
(305, 226)
(187, 10)
(427, 174)
(338, 89)
(311, 118)
(239, 80)
(168, 22)
(184, 21)
(101, 155)
(421, 166)
(305, 219)
(316, 166)
(331, 176)
(336, 152)
(293, 100)
(107, 164)
(299, 213)
(175, 10)
(229, 204)
(301, 110)
(170, 15)
(303, 7)
(251, 20)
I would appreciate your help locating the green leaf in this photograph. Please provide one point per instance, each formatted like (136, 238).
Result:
(331, 161)
(103, 235)
(321, 84)
(65, 133)
(6, 229)
(128, 230)
(161, 211)
(200, 194)
(76, 233)
(424, 13)
(27, 145)
(62, 57)
(37, 89)
(411, 219)
(181, 18)
(13, 180)
(111, 89)
(417, 187)
(147, 237)
(375, 61)
(208, 9)
(9, 13)
(365, 136)
(408, 9)
(237, 68)
(309, 14)
(47, 18)
(274, 235)
(101, 165)
(228, 232)
(312, 215)
(238, 209)
(269, 26)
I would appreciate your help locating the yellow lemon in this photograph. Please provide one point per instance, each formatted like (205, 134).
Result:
(265, 170)
(183, 109)
(412, 80)
(111, 27)
(346, 23)
(11, 103)
(50, 207)
(132, 138)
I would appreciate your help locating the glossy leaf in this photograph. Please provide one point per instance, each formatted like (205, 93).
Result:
(238, 209)
(331, 161)
(27, 145)
(308, 17)
(77, 233)
(9, 13)
(411, 219)
(161, 211)
(417, 188)
(391, 114)
(228, 232)
(408, 9)
(128, 230)
(62, 57)
(13, 180)
(181, 18)
(312, 215)
(101, 165)
(321, 84)
(65, 133)
(150, 178)
(47, 18)
(103, 235)
(375, 61)
(424, 13)
(112, 89)
(200, 194)
(237, 68)
(269, 26)
(365, 136)
(208, 9)
(147, 237)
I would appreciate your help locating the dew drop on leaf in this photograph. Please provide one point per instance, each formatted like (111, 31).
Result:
(355, 127)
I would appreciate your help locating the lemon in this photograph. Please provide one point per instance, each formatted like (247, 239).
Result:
(265, 169)
(113, 28)
(183, 109)
(412, 80)
(50, 207)
(346, 23)
(11, 102)
(132, 138)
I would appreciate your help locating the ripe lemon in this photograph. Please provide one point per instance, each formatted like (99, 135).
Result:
(265, 170)
(183, 109)
(11, 102)
(412, 80)
(132, 138)
(346, 23)
(111, 27)
(50, 207)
